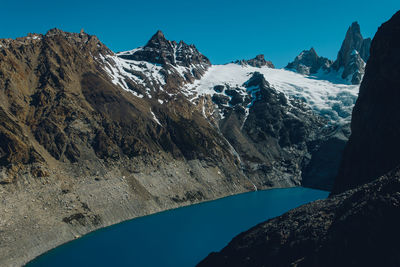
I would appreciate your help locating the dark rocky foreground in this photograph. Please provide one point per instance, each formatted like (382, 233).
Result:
(355, 228)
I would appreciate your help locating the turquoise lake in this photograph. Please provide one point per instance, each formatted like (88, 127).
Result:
(179, 237)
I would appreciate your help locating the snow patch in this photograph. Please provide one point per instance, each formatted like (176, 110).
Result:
(155, 118)
(120, 70)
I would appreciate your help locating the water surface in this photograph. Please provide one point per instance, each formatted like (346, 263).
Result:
(180, 237)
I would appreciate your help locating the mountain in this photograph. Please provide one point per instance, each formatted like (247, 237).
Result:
(358, 224)
(348, 67)
(91, 137)
(308, 62)
(353, 55)
(259, 61)
(307, 121)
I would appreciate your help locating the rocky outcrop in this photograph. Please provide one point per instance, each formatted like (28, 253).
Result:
(308, 62)
(353, 55)
(355, 228)
(258, 62)
(374, 144)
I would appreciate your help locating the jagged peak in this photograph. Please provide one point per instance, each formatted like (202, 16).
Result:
(353, 54)
(54, 31)
(258, 61)
(310, 52)
(159, 50)
(157, 40)
(159, 35)
(308, 62)
(355, 26)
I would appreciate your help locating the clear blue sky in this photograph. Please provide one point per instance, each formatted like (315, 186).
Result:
(222, 30)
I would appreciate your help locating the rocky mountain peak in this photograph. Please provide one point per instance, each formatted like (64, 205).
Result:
(159, 34)
(158, 40)
(308, 62)
(353, 55)
(259, 61)
(312, 51)
(350, 62)
(159, 50)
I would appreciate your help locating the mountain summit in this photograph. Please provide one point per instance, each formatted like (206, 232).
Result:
(259, 61)
(353, 55)
(159, 50)
(349, 65)
(308, 62)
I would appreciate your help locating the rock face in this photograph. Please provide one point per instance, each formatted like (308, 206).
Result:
(355, 228)
(265, 129)
(374, 144)
(353, 55)
(258, 61)
(308, 62)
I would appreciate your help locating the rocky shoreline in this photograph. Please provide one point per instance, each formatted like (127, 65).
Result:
(59, 210)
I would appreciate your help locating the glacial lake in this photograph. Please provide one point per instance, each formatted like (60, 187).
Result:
(179, 237)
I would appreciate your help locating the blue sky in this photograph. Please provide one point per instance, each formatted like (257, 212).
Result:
(222, 30)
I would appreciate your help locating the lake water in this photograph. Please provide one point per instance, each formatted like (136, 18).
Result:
(180, 237)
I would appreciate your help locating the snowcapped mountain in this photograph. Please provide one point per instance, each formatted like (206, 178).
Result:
(159, 66)
(156, 127)
(164, 68)
(349, 66)
(308, 111)
(308, 62)
(308, 114)
(353, 55)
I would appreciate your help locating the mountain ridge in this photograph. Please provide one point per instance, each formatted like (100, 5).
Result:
(349, 65)
(94, 137)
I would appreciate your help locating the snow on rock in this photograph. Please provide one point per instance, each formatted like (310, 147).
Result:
(331, 100)
(120, 69)
(155, 118)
